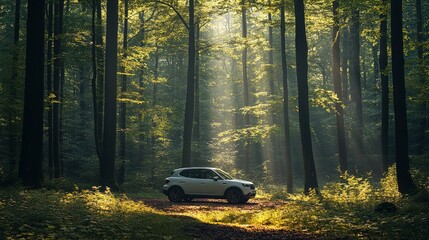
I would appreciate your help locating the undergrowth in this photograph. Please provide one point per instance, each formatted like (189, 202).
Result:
(344, 209)
(81, 214)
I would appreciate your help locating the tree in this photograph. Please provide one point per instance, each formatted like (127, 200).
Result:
(384, 78)
(245, 84)
(107, 168)
(310, 175)
(58, 31)
(355, 82)
(12, 95)
(30, 168)
(405, 182)
(123, 105)
(421, 77)
(288, 158)
(49, 57)
(339, 112)
(190, 90)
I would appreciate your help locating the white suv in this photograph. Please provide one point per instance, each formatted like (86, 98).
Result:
(205, 182)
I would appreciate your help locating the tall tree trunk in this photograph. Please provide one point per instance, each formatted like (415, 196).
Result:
(310, 175)
(273, 145)
(123, 106)
(190, 97)
(384, 79)
(197, 120)
(12, 94)
(405, 182)
(100, 75)
(356, 88)
(245, 85)
(339, 112)
(30, 168)
(95, 70)
(288, 158)
(421, 76)
(108, 178)
(376, 73)
(58, 15)
(50, 16)
(141, 85)
(345, 64)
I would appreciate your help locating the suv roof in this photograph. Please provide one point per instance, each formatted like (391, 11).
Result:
(184, 168)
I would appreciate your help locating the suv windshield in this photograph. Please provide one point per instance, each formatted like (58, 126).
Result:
(224, 175)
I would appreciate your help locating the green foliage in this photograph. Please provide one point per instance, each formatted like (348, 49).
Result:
(81, 214)
(343, 209)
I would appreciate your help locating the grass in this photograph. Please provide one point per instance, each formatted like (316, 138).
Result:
(343, 210)
(86, 214)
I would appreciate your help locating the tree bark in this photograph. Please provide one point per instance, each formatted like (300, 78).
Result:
(405, 182)
(30, 168)
(384, 79)
(12, 94)
(421, 76)
(287, 157)
(339, 112)
(123, 105)
(245, 85)
(108, 178)
(310, 176)
(58, 15)
(190, 90)
(50, 16)
(356, 86)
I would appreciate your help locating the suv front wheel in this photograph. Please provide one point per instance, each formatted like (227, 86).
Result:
(175, 194)
(234, 196)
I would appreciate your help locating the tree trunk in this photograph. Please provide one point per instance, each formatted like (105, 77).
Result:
(356, 88)
(50, 16)
(384, 79)
(339, 112)
(310, 176)
(421, 76)
(100, 75)
(245, 86)
(95, 70)
(108, 178)
(197, 120)
(376, 73)
(190, 98)
(288, 158)
(12, 94)
(30, 168)
(405, 182)
(58, 20)
(123, 106)
(345, 64)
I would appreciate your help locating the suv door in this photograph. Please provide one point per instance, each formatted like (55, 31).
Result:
(190, 181)
(210, 185)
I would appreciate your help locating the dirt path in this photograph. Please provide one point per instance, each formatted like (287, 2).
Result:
(199, 230)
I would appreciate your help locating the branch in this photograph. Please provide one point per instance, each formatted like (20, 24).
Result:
(175, 10)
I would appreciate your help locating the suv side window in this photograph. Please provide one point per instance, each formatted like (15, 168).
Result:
(208, 174)
(191, 173)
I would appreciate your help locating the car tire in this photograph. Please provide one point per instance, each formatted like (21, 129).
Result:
(175, 194)
(234, 195)
(244, 200)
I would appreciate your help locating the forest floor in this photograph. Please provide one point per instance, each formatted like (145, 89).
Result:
(189, 211)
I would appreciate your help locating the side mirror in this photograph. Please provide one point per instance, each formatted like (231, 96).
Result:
(215, 178)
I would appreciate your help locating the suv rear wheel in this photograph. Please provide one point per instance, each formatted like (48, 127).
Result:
(175, 194)
(234, 196)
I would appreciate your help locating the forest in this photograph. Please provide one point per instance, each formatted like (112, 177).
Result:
(323, 104)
